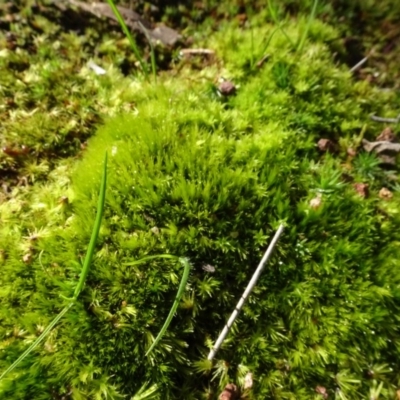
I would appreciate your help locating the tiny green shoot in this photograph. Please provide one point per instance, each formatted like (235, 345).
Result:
(309, 22)
(271, 35)
(152, 52)
(278, 23)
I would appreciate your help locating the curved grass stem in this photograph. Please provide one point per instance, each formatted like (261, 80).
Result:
(179, 294)
(309, 22)
(127, 33)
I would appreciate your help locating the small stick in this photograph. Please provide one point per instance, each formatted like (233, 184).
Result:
(246, 293)
(388, 120)
(197, 52)
(359, 64)
(262, 60)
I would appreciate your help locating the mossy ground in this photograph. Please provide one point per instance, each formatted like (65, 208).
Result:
(208, 177)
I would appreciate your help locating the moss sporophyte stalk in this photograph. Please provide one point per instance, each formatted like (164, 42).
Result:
(198, 180)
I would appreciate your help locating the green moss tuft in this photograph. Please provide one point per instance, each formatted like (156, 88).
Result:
(209, 178)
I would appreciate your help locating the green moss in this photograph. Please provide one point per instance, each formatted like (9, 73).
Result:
(52, 99)
(210, 178)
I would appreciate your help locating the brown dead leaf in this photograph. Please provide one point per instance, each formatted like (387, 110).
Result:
(322, 391)
(316, 202)
(351, 152)
(385, 194)
(381, 146)
(15, 152)
(248, 381)
(385, 149)
(386, 135)
(27, 258)
(362, 189)
(227, 88)
(326, 145)
(230, 392)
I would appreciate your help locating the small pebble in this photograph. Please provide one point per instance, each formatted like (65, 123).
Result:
(227, 88)
(316, 202)
(326, 145)
(362, 189)
(385, 194)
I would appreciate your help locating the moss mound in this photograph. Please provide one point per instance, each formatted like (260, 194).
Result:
(208, 177)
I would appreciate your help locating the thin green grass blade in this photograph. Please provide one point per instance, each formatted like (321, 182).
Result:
(147, 258)
(251, 47)
(130, 38)
(264, 50)
(85, 271)
(278, 23)
(95, 232)
(152, 52)
(309, 22)
(181, 289)
(36, 342)
(179, 294)
(269, 40)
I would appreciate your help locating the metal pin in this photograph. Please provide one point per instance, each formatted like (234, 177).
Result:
(359, 64)
(387, 120)
(246, 293)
